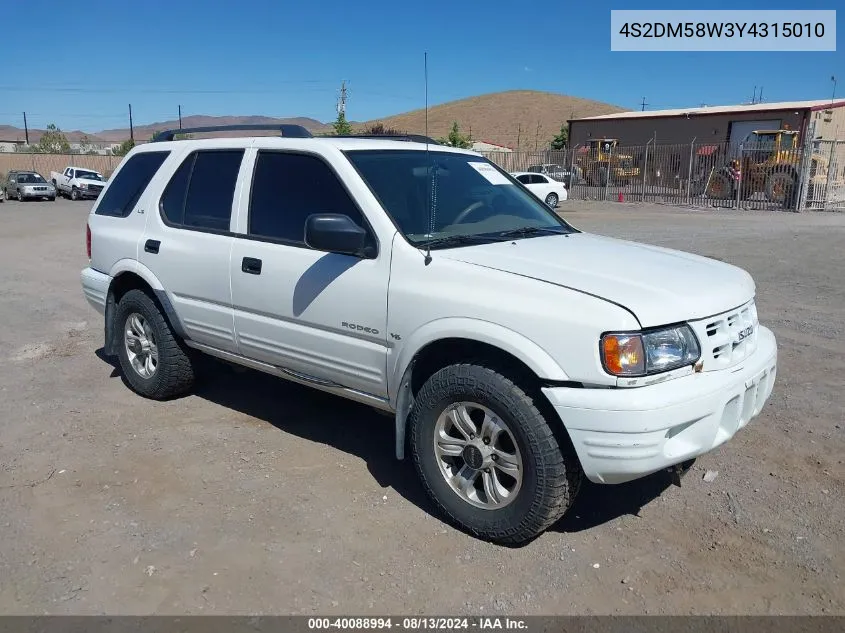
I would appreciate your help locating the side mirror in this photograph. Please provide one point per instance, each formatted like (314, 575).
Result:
(334, 233)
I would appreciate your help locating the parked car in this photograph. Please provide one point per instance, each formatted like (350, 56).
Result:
(78, 182)
(544, 187)
(515, 353)
(560, 173)
(27, 185)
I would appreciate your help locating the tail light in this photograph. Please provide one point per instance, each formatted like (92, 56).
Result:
(88, 240)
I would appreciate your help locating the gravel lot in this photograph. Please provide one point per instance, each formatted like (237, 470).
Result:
(258, 496)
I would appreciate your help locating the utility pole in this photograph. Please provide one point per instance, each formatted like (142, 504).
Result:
(760, 96)
(833, 96)
(537, 137)
(131, 127)
(26, 127)
(644, 104)
(341, 101)
(180, 117)
(518, 135)
(754, 96)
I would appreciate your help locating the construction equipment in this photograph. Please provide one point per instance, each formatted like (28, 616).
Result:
(602, 165)
(768, 162)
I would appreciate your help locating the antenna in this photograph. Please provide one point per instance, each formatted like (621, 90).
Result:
(433, 197)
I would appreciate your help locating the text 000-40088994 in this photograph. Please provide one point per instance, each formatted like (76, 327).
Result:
(723, 30)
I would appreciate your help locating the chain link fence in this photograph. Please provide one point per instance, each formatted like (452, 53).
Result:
(771, 171)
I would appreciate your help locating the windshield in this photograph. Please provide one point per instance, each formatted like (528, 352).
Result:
(30, 178)
(88, 175)
(470, 196)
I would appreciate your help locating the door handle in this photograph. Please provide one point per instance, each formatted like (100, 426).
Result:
(251, 265)
(151, 246)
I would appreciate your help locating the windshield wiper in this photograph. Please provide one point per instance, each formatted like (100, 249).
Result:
(525, 231)
(455, 240)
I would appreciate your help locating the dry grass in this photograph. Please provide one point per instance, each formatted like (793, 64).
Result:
(514, 118)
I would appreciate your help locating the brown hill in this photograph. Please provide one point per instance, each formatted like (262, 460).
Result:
(514, 118)
(12, 134)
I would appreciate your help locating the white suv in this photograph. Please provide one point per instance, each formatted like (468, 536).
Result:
(515, 352)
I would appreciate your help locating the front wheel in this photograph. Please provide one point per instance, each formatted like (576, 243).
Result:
(74, 194)
(552, 200)
(154, 362)
(487, 457)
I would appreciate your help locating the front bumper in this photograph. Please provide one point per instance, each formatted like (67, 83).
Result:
(88, 193)
(622, 434)
(50, 193)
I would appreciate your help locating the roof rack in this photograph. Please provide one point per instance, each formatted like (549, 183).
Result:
(414, 138)
(287, 130)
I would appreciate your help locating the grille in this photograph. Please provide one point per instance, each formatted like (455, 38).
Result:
(729, 338)
(40, 188)
(97, 188)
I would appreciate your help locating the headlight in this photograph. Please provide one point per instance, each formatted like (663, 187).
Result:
(652, 352)
(83, 186)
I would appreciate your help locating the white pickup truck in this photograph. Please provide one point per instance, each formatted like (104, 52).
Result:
(515, 353)
(78, 182)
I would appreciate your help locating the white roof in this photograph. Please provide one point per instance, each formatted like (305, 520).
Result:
(748, 107)
(340, 142)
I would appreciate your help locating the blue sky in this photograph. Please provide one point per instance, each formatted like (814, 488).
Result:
(81, 68)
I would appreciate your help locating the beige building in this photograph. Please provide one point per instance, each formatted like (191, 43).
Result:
(715, 124)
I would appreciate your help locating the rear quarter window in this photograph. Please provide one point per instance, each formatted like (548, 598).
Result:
(129, 183)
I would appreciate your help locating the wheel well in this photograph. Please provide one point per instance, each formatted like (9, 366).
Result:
(123, 283)
(450, 351)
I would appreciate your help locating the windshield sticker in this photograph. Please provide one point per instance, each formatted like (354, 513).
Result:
(493, 176)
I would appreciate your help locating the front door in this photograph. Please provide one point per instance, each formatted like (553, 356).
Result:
(319, 314)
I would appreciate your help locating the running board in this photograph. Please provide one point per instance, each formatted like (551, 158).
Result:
(294, 376)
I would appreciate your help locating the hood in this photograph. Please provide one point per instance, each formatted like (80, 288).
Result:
(658, 285)
(88, 181)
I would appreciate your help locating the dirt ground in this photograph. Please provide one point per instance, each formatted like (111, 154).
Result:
(255, 496)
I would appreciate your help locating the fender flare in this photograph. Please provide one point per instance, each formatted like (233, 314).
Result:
(137, 268)
(514, 343)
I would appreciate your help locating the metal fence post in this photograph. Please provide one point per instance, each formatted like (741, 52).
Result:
(689, 168)
(607, 174)
(739, 183)
(804, 173)
(645, 171)
(832, 167)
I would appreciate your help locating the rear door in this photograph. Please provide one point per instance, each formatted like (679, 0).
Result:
(187, 243)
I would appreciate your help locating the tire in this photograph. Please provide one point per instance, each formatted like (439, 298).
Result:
(52, 198)
(780, 187)
(720, 187)
(5, 196)
(173, 373)
(74, 194)
(549, 473)
(552, 200)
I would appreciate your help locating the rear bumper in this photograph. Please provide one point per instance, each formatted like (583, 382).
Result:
(95, 287)
(624, 434)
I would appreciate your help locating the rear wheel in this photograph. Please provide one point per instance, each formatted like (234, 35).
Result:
(552, 200)
(154, 362)
(487, 457)
(720, 187)
(780, 187)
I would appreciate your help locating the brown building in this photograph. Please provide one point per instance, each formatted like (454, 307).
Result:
(716, 124)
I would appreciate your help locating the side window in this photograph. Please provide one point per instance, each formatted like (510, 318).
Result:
(69, 173)
(200, 193)
(541, 180)
(287, 188)
(129, 183)
(524, 179)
